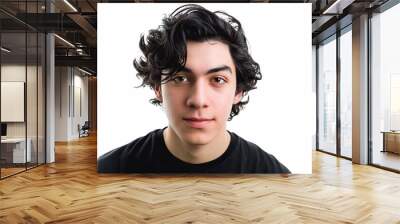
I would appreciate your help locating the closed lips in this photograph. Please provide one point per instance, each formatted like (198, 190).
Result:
(197, 119)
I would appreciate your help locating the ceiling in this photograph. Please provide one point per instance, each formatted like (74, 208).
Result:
(76, 22)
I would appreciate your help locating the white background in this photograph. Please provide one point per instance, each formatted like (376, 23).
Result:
(279, 116)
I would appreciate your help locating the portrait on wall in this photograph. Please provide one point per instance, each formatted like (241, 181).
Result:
(204, 88)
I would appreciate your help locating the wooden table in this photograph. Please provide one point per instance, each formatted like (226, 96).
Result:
(391, 141)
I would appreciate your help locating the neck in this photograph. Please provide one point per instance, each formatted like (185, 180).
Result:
(196, 153)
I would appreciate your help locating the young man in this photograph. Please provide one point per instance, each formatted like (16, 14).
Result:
(199, 67)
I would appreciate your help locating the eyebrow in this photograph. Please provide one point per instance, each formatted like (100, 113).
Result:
(213, 70)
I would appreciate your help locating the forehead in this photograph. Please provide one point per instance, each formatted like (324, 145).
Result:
(205, 55)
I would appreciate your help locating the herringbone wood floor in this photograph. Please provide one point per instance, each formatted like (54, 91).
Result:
(71, 191)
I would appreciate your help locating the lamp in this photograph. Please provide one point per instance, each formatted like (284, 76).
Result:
(5, 50)
(70, 5)
(84, 71)
(64, 40)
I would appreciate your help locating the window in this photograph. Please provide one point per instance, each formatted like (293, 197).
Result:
(327, 96)
(385, 88)
(346, 93)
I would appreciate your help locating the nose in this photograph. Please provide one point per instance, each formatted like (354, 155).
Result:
(198, 95)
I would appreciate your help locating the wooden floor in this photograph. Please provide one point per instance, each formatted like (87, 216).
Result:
(10, 171)
(387, 159)
(71, 191)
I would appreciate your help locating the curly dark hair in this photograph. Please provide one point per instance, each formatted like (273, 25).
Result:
(164, 48)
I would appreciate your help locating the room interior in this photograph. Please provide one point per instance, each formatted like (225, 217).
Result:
(48, 88)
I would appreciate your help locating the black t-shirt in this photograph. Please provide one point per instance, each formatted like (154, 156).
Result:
(149, 154)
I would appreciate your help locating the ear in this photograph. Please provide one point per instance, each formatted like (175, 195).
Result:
(238, 97)
(157, 91)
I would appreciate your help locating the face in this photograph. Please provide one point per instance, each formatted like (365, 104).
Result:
(199, 99)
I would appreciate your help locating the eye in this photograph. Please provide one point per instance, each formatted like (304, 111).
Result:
(219, 80)
(180, 79)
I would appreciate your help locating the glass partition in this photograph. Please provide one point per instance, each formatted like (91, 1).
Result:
(327, 96)
(22, 67)
(385, 88)
(13, 109)
(346, 93)
(41, 85)
(31, 100)
(33, 56)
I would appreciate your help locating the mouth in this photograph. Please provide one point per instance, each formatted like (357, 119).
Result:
(197, 122)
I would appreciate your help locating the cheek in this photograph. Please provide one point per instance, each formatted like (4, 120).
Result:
(172, 99)
(223, 104)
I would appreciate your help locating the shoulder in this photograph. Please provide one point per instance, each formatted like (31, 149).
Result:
(259, 160)
(109, 162)
(116, 160)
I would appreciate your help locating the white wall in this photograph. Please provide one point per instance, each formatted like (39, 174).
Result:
(80, 109)
(70, 83)
(61, 103)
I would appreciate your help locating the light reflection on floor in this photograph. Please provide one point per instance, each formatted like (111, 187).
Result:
(387, 159)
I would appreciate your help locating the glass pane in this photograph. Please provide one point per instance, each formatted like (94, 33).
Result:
(346, 94)
(386, 88)
(13, 87)
(31, 101)
(41, 98)
(23, 88)
(327, 96)
(32, 85)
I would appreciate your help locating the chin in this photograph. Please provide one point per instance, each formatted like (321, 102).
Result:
(197, 138)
